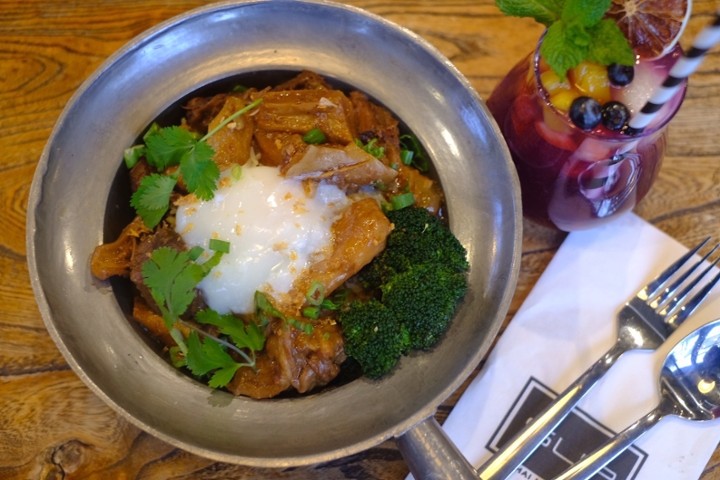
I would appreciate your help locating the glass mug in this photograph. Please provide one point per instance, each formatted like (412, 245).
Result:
(572, 179)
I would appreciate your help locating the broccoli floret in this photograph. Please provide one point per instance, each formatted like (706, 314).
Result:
(424, 299)
(373, 337)
(418, 281)
(417, 237)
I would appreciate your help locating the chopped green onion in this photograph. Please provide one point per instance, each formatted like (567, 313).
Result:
(263, 303)
(236, 172)
(311, 312)
(177, 335)
(402, 200)
(379, 185)
(240, 88)
(407, 156)
(177, 357)
(195, 253)
(314, 136)
(370, 147)
(418, 159)
(217, 245)
(304, 327)
(341, 295)
(328, 304)
(133, 155)
(154, 128)
(265, 309)
(212, 262)
(316, 293)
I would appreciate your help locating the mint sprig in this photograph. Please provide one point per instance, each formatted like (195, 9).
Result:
(543, 11)
(577, 31)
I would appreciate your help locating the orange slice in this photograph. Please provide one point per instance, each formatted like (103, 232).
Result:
(653, 27)
(592, 80)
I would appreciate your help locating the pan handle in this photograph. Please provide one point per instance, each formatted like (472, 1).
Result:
(431, 455)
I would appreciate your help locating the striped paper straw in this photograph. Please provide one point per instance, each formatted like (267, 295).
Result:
(682, 69)
(685, 65)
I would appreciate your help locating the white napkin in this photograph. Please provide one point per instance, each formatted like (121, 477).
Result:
(566, 323)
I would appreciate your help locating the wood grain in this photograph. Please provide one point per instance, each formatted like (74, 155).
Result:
(51, 425)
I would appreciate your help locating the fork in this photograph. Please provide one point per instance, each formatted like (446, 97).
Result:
(644, 323)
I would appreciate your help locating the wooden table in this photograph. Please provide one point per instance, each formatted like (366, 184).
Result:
(51, 425)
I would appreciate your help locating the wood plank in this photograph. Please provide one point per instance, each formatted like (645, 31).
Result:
(51, 425)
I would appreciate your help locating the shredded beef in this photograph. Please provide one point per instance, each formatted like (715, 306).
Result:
(201, 110)
(305, 80)
(141, 170)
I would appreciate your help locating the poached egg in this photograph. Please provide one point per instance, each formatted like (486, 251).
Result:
(276, 228)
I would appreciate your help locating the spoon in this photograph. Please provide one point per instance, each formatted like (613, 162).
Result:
(689, 388)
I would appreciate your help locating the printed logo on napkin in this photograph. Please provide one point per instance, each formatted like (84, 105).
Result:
(578, 435)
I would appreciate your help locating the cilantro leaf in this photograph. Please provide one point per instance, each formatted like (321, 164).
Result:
(608, 45)
(196, 360)
(560, 50)
(199, 172)
(223, 376)
(242, 335)
(206, 355)
(152, 198)
(166, 146)
(154, 191)
(543, 11)
(255, 337)
(584, 12)
(171, 276)
(175, 146)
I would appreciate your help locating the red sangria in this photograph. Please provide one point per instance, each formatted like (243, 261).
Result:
(567, 110)
(576, 161)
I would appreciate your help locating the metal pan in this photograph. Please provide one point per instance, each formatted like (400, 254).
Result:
(73, 200)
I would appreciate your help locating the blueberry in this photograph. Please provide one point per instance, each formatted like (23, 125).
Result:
(620, 75)
(615, 116)
(586, 113)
